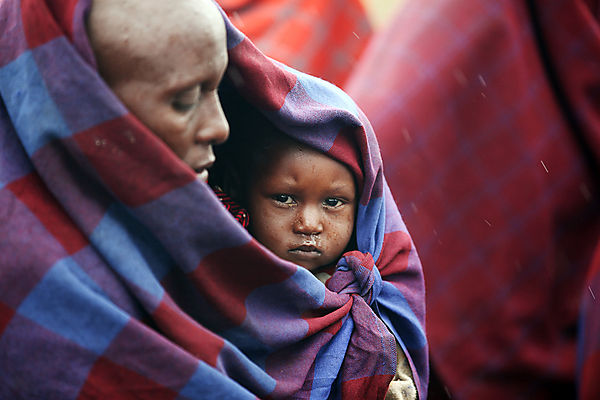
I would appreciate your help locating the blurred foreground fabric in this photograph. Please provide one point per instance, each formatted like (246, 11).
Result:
(488, 116)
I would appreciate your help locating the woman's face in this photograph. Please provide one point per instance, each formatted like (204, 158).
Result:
(169, 79)
(302, 206)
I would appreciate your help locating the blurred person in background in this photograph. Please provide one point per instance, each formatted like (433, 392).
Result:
(324, 38)
(588, 355)
(488, 118)
(321, 37)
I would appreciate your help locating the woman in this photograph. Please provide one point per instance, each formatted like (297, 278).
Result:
(121, 272)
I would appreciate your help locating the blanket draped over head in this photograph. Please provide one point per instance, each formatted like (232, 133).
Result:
(122, 276)
(489, 122)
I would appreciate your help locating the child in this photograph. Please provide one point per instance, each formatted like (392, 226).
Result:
(301, 204)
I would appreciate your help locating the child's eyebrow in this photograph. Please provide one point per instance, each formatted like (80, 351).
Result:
(341, 187)
(344, 195)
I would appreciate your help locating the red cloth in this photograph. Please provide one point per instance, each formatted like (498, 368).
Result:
(589, 348)
(239, 213)
(489, 122)
(323, 38)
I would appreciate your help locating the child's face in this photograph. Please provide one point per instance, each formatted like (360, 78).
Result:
(167, 74)
(302, 206)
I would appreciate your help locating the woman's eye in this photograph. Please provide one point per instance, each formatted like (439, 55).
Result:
(181, 106)
(283, 198)
(332, 202)
(186, 100)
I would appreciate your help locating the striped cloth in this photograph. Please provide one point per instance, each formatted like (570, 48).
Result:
(122, 276)
(488, 117)
(239, 213)
(324, 38)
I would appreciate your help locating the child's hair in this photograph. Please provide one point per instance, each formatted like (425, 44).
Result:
(247, 151)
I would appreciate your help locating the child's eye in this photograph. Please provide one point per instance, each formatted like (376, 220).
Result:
(332, 202)
(283, 198)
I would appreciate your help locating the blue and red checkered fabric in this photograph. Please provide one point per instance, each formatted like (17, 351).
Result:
(488, 117)
(122, 276)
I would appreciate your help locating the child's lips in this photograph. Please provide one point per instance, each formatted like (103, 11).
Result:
(306, 252)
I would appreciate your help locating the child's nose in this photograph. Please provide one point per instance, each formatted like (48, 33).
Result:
(213, 127)
(309, 221)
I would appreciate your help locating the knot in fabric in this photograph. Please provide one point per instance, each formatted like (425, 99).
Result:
(356, 273)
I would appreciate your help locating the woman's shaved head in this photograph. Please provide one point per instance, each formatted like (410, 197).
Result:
(132, 36)
(165, 60)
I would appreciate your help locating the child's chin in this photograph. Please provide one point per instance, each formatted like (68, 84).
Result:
(307, 259)
(315, 269)
(312, 267)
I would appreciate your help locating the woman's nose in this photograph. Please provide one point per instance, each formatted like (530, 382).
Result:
(308, 221)
(213, 127)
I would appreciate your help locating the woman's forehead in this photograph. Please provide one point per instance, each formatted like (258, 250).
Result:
(159, 39)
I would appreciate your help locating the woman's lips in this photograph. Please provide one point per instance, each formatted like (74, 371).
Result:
(202, 170)
(202, 175)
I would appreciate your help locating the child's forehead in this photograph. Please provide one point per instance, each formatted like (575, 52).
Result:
(285, 149)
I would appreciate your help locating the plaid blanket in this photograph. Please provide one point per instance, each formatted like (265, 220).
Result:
(122, 276)
(488, 118)
(324, 38)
